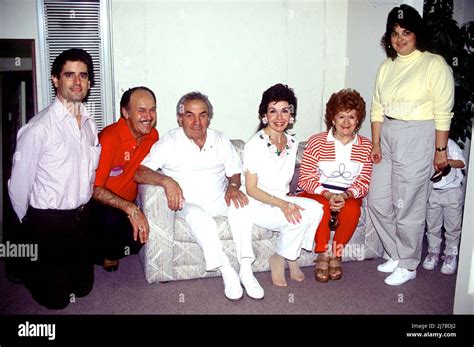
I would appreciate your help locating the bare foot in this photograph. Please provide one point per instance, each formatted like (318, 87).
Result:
(277, 266)
(295, 271)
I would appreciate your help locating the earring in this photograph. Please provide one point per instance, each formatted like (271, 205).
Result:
(265, 120)
(292, 120)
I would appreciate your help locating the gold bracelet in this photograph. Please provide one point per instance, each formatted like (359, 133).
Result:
(134, 212)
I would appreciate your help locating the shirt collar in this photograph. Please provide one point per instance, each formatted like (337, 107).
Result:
(210, 138)
(62, 113)
(125, 133)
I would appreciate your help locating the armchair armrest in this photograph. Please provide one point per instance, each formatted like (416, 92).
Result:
(156, 255)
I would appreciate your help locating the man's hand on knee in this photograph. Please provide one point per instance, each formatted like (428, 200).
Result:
(236, 196)
(140, 225)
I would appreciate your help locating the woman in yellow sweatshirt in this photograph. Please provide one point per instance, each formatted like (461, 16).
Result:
(410, 115)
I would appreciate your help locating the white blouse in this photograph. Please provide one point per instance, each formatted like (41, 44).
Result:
(340, 172)
(274, 170)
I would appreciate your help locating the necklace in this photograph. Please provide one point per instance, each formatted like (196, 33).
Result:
(273, 148)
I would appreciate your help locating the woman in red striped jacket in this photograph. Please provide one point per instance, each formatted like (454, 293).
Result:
(335, 171)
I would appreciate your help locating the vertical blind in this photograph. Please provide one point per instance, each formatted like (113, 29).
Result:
(76, 24)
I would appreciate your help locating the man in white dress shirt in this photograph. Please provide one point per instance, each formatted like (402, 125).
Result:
(51, 184)
(201, 177)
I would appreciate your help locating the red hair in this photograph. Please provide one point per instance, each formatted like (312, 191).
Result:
(345, 100)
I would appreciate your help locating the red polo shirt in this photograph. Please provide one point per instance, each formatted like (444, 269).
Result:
(120, 158)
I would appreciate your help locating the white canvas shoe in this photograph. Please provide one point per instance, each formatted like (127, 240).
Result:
(450, 264)
(232, 289)
(251, 285)
(389, 266)
(400, 276)
(431, 261)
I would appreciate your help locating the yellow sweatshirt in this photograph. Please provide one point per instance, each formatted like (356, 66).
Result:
(417, 86)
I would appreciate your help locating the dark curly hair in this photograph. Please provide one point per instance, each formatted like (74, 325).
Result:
(408, 18)
(276, 93)
(345, 100)
(73, 54)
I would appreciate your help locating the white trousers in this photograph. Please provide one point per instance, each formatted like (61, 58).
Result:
(204, 230)
(444, 208)
(292, 238)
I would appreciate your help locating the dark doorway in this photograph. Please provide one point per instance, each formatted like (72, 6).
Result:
(17, 106)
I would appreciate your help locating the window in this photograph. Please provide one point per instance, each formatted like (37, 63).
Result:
(79, 24)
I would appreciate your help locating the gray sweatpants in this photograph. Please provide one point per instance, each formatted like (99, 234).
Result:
(444, 207)
(400, 187)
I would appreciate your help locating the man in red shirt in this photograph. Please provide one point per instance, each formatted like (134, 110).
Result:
(121, 227)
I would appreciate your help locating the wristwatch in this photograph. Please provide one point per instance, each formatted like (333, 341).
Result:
(440, 149)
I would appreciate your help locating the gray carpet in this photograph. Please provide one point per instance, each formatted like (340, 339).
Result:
(360, 291)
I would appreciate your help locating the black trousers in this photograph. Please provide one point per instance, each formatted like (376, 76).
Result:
(11, 234)
(64, 269)
(113, 233)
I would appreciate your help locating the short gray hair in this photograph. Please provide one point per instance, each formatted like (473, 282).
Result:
(194, 96)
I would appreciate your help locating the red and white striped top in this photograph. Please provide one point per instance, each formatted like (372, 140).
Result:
(352, 170)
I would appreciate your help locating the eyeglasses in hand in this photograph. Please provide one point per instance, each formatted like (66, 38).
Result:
(334, 221)
(438, 175)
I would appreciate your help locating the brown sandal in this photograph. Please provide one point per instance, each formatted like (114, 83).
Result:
(335, 268)
(321, 269)
(110, 265)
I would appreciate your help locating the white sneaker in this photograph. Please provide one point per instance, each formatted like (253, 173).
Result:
(251, 285)
(232, 289)
(389, 266)
(399, 276)
(431, 261)
(450, 264)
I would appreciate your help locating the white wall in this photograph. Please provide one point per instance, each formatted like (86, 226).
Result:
(231, 51)
(366, 26)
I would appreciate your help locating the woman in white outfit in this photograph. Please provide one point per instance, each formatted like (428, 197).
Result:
(269, 163)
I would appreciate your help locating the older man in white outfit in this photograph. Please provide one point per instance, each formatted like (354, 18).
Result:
(201, 177)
